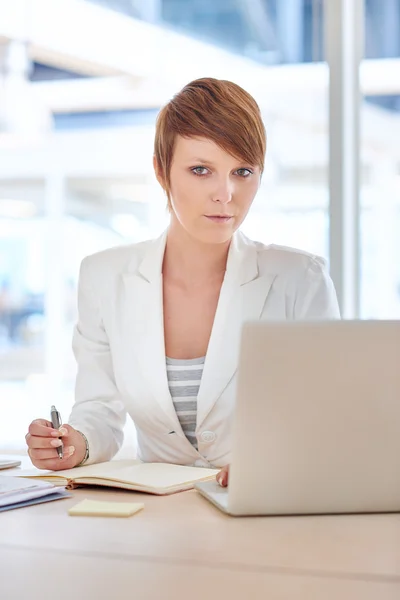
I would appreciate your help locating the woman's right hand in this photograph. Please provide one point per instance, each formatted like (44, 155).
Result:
(42, 441)
(223, 477)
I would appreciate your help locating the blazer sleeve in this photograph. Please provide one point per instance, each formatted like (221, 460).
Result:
(316, 295)
(98, 411)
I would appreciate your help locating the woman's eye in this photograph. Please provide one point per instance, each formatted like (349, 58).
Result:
(200, 170)
(244, 172)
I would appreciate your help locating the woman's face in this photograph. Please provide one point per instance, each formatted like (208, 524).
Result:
(211, 191)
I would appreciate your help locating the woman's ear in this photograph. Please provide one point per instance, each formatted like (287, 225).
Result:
(158, 172)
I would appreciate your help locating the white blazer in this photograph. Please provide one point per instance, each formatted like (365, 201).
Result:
(119, 344)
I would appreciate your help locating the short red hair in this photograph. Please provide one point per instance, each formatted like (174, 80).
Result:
(215, 109)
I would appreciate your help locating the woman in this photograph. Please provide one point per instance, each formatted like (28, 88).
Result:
(159, 322)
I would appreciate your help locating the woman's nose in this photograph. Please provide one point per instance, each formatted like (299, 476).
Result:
(223, 192)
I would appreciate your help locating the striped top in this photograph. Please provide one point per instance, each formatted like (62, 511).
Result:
(184, 377)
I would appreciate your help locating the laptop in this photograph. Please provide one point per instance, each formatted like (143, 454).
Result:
(317, 420)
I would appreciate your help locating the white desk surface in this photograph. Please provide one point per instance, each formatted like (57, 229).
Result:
(180, 546)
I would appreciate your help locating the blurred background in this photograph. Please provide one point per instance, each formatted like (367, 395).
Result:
(81, 83)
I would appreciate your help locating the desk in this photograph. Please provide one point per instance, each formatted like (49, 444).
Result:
(181, 546)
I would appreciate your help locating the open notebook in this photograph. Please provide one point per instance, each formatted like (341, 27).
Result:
(153, 478)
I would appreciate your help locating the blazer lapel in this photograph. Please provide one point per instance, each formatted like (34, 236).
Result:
(242, 298)
(142, 310)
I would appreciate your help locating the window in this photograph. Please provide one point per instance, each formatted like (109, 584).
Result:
(380, 155)
(76, 135)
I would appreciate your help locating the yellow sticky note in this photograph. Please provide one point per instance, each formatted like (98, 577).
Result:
(98, 508)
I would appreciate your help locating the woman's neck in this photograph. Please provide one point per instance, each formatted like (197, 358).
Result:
(192, 262)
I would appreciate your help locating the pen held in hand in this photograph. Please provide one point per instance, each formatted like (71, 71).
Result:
(55, 418)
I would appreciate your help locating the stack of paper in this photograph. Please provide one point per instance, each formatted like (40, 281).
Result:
(16, 492)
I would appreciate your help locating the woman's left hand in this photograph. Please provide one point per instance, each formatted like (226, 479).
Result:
(223, 476)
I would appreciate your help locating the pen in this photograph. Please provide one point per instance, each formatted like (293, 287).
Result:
(56, 422)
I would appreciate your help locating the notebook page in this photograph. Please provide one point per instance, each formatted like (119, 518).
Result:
(154, 475)
(110, 467)
(159, 475)
(105, 470)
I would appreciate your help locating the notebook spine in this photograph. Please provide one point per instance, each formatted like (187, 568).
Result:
(71, 485)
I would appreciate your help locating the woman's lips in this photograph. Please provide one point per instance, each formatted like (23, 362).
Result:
(219, 218)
